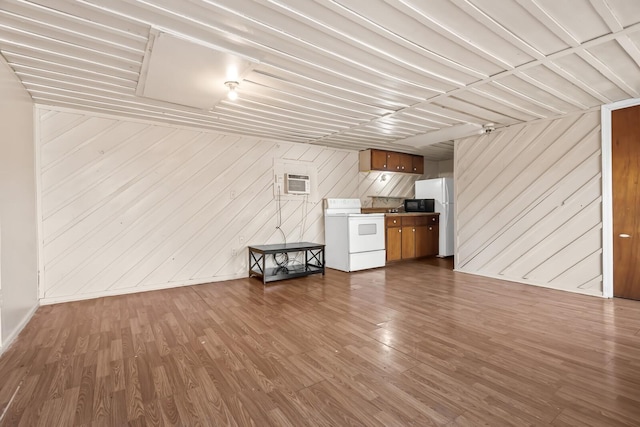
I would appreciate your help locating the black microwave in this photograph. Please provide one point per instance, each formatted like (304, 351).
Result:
(419, 205)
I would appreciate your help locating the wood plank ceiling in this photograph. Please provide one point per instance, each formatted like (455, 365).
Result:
(342, 73)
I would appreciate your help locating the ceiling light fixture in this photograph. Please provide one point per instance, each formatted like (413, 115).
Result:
(232, 85)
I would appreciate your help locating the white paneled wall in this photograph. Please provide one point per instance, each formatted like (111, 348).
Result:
(385, 184)
(129, 205)
(391, 184)
(528, 202)
(18, 237)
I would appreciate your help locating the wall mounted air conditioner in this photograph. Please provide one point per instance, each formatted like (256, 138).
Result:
(296, 184)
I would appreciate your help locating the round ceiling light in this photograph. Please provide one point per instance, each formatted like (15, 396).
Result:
(233, 93)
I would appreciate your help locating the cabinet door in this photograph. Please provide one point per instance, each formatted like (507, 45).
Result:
(417, 164)
(378, 160)
(394, 243)
(406, 163)
(393, 161)
(423, 241)
(408, 242)
(433, 239)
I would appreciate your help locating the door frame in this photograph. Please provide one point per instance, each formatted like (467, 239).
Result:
(607, 193)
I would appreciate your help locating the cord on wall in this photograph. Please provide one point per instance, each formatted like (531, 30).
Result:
(281, 259)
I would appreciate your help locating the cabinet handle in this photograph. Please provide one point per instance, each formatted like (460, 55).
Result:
(400, 231)
(384, 166)
(430, 228)
(402, 167)
(414, 230)
(394, 221)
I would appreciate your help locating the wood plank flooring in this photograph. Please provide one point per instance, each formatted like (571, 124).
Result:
(413, 344)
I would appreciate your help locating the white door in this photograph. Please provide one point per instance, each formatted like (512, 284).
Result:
(366, 233)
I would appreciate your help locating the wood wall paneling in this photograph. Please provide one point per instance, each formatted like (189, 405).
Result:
(130, 205)
(528, 202)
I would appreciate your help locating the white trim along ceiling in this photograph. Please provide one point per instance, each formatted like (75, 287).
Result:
(406, 75)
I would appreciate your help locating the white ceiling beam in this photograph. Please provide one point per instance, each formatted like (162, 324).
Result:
(99, 65)
(408, 43)
(342, 123)
(333, 30)
(630, 47)
(608, 73)
(304, 109)
(240, 116)
(509, 103)
(30, 61)
(182, 25)
(451, 133)
(518, 71)
(410, 126)
(261, 78)
(33, 72)
(297, 40)
(133, 60)
(241, 107)
(527, 98)
(435, 110)
(70, 21)
(417, 119)
(134, 106)
(499, 29)
(537, 11)
(306, 100)
(392, 106)
(449, 33)
(533, 7)
(553, 91)
(607, 15)
(577, 82)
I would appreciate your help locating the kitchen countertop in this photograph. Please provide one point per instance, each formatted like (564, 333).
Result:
(375, 210)
(411, 213)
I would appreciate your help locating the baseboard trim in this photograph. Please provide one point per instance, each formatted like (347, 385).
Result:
(125, 291)
(532, 283)
(6, 343)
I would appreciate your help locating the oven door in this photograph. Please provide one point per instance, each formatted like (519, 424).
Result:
(366, 233)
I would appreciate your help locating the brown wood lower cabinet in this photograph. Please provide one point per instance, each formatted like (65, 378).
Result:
(408, 242)
(411, 236)
(393, 233)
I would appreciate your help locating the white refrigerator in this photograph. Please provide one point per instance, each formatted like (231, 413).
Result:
(441, 190)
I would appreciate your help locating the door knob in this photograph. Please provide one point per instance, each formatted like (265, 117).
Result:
(625, 236)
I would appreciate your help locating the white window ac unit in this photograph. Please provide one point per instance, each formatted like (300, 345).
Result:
(296, 184)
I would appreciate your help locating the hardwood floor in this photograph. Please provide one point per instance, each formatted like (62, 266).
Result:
(411, 344)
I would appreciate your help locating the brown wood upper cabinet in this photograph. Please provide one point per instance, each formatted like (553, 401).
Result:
(390, 161)
(417, 164)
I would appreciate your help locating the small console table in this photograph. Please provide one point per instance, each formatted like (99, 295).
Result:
(313, 261)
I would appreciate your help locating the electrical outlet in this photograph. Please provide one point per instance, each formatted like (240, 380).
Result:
(234, 252)
(241, 240)
(232, 194)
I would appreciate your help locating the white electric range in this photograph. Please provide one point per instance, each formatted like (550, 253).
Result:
(353, 240)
